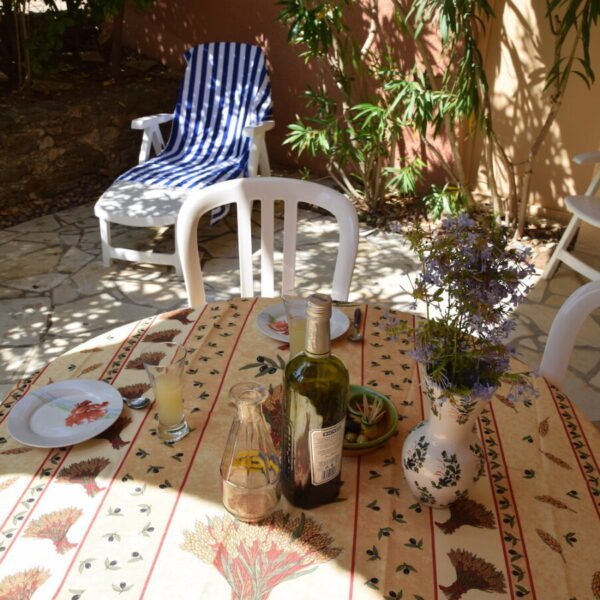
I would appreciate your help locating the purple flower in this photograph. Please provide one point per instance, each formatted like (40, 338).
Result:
(473, 280)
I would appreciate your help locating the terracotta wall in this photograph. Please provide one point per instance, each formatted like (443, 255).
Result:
(174, 25)
(518, 51)
(516, 47)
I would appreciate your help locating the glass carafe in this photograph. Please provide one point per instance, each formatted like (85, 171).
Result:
(250, 466)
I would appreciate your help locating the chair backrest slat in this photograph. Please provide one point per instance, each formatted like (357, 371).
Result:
(290, 239)
(267, 245)
(567, 323)
(266, 190)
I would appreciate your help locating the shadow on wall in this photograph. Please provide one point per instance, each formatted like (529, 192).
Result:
(170, 27)
(518, 55)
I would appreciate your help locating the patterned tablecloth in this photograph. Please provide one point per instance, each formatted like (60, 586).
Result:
(124, 515)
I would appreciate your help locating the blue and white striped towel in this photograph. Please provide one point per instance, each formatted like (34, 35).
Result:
(226, 88)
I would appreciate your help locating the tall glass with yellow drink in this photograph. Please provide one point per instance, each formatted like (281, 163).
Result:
(164, 365)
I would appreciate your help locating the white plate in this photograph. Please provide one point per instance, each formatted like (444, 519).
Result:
(338, 323)
(47, 417)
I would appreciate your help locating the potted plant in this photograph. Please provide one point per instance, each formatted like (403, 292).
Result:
(470, 283)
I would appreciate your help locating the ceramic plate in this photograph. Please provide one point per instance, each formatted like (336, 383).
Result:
(273, 322)
(64, 413)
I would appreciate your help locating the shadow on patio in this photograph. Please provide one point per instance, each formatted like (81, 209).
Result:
(55, 293)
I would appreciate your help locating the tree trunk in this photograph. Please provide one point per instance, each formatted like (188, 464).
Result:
(116, 50)
(457, 174)
(535, 147)
(8, 44)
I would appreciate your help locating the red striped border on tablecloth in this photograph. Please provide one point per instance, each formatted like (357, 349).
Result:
(580, 445)
(431, 523)
(358, 464)
(195, 452)
(503, 495)
(125, 455)
(56, 465)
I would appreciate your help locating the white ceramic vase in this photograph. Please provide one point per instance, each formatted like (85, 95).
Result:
(442, 456)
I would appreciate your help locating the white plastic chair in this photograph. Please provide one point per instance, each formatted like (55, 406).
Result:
(584, 208)
(218, 133)
(266, 190)
(567, 323)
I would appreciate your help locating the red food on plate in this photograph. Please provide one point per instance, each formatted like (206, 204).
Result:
(279, 326)
(86, 412)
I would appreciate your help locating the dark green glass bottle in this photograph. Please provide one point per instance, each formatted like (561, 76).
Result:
(315, 404)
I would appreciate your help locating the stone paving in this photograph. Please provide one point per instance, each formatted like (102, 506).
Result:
(55, 293)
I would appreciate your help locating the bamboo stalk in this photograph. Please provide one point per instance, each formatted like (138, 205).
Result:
(556, 103)
(373, 14)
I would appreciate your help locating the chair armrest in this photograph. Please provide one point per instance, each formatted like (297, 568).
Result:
(152, 137)
(251, 130)
(587, 157)
(151, 120)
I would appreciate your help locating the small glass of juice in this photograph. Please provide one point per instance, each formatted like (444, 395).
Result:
(164, 366)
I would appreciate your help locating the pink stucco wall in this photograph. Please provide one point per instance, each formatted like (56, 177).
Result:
(174, 25)
(517, 49)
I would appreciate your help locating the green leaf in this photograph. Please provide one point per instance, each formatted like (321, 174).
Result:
(373, 553)
(405, 568)
(414, 543)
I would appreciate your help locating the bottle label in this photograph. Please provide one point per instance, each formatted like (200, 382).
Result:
(326, 452)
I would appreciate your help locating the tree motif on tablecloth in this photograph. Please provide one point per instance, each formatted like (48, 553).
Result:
(596, 585)
(84, 472)
(166, 335)
(274, 414)
(134, 390)
(150, 358)
(583, 450)
(467, 512)
(180, 315)
(22, 585)
(113, 433)
(472, 573)
(54, 526)
(254, 559)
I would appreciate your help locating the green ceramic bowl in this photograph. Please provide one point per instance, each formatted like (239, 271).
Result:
(390, 422)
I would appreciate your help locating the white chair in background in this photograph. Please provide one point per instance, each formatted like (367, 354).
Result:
(584, 208)
(266, 190)
(567, 323)
(217, 134)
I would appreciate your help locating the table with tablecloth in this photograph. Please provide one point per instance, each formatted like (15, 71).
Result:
(126, 515)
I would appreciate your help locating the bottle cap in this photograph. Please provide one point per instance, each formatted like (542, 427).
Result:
(319, 306)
